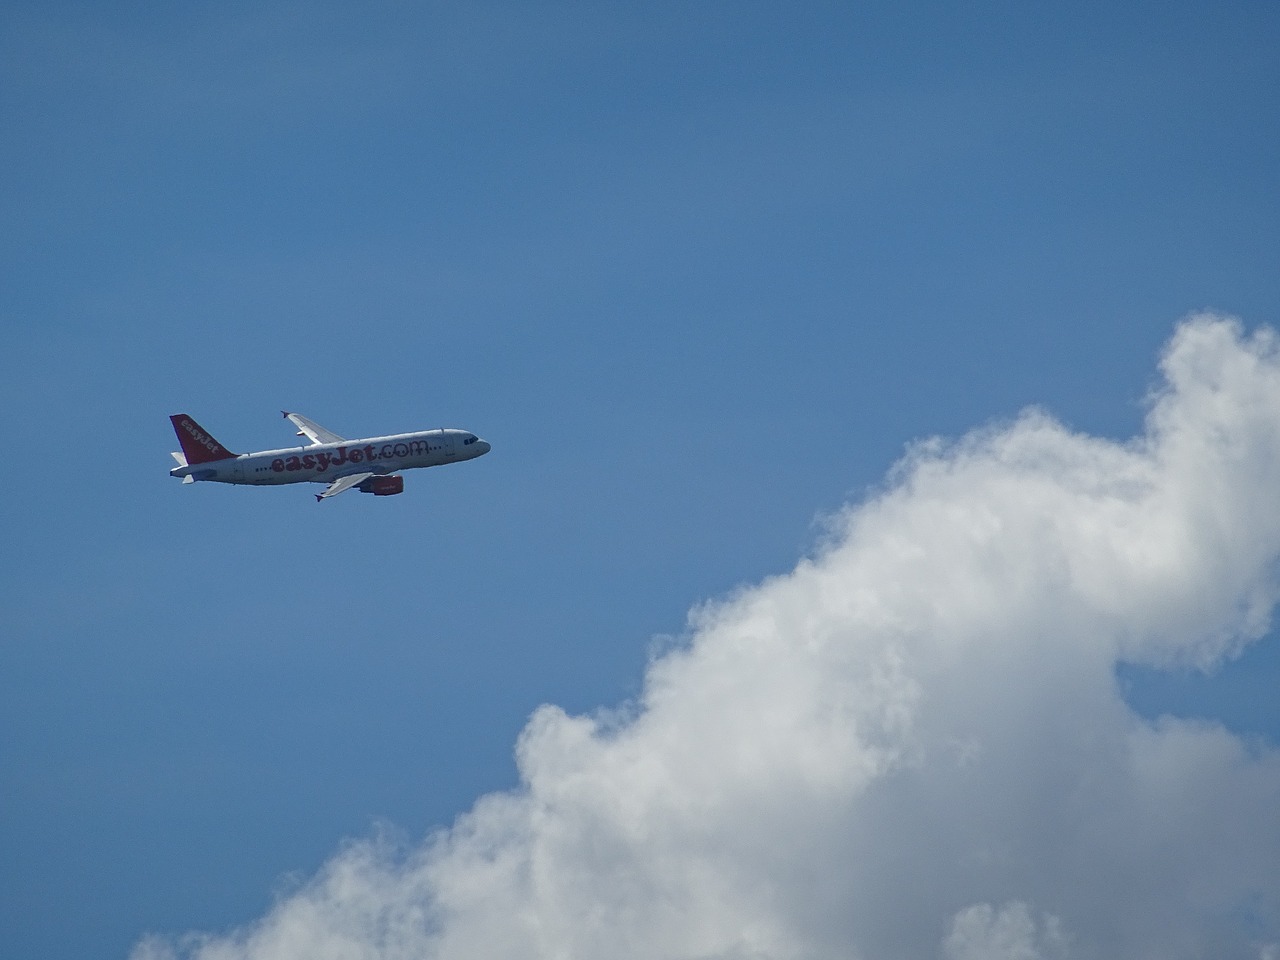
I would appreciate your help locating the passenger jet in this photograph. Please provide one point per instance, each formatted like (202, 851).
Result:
(370, 465)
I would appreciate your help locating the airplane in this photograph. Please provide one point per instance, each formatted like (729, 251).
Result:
(370, 465)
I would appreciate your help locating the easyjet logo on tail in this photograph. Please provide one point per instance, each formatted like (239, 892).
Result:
(201, 437)
(196, 442)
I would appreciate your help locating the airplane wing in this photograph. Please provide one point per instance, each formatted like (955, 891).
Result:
(343, 483)
(309, 428)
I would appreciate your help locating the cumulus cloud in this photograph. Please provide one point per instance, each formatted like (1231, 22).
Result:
(910, 746)
(981, 933)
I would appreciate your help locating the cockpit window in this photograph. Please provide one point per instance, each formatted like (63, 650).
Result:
(469, 439)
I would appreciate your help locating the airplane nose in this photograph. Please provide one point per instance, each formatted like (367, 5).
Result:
(484, 447)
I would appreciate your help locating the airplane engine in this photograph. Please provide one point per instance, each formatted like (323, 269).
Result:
(383, 486)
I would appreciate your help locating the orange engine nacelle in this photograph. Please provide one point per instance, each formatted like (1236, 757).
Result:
(383, 486)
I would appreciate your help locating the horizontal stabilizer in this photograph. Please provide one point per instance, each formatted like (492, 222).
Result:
(182, 460)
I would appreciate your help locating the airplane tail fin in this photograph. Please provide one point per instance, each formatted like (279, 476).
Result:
(198, 446)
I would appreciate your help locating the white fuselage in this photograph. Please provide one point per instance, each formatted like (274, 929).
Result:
(326, 462)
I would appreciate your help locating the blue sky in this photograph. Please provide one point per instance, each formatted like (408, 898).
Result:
(700, 272)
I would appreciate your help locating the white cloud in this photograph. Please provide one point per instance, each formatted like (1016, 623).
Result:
(1012, 933)
(863, 756)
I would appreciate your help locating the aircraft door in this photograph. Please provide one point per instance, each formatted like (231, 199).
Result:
(446, 444)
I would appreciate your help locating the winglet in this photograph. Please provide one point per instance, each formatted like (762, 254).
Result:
(319, 497)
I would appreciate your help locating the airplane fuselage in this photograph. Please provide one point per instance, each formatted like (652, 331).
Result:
(326, 462)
